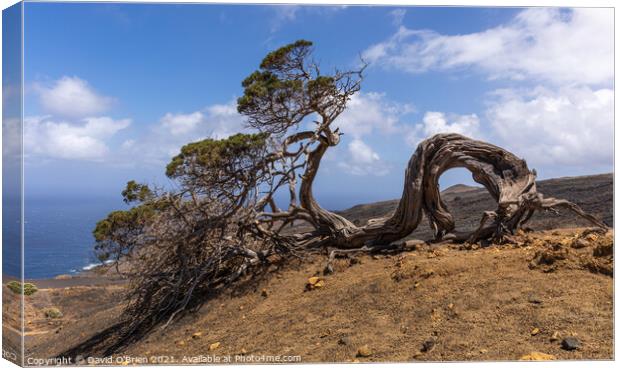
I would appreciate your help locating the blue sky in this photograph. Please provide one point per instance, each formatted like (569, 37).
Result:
(113, 90)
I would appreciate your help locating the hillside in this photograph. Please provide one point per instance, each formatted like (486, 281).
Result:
(594, 194)
(438, 302)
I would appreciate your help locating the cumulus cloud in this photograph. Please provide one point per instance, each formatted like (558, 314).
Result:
(435, 122)
(371, 112)
(73, 128)
(174, 130)
(215, 121)
(86, 140)
(362, 152)
(362, 160)
(11, 138)
(549, 44)
(72, 97)
(223, 120)
(178, 124)
(572, 126)
(569, 126)
(567, 53)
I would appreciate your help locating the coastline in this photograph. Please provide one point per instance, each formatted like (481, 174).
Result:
(97, 275)
(594, 193)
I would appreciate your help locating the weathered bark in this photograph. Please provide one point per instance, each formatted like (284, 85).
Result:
(504, 175)
(328, 222)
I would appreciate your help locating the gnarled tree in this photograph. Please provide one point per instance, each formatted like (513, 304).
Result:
(223, 225)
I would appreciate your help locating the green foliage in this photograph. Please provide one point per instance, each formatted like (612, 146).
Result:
(320, 86)
(119, 228)
(27, 289)
(121, 221)
(286, 88)
(53, 313)
(262, 86)
(119, 232)
(281, 57)
(135, 192)
(215, 153)
(281, 75)
(216, 167)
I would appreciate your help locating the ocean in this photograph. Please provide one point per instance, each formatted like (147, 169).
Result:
(57, 235)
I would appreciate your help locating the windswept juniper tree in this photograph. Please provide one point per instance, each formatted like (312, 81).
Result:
(223, 226)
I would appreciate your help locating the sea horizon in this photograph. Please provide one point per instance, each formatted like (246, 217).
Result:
(58, 233)
(58, 230)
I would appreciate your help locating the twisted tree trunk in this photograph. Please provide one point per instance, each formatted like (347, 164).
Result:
(327, 221)
(504, 175)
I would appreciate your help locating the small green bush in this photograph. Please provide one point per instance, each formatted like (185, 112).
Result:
(16, 287)
(29, 289)
(53, 313)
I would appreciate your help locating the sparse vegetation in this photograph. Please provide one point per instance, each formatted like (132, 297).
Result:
(53, 313)
(17, 287)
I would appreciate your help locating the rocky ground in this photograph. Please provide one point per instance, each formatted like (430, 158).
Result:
(547, 294)
(438, 303)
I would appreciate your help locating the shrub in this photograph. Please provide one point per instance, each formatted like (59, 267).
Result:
(27, 289)
(53, 313)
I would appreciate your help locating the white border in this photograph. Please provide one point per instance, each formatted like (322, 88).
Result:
(470, 3)
(476, 3)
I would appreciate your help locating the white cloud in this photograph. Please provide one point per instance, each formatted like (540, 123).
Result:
(11, 138)
(72, 97)
(572, 126)
(128, 143)
(175, 130)
(283, 14)
(437, 122)
(10, 94)
(566, 120)
(362, 153)
(369, 113)
(48, 138)
(362, 160)
(223, 120)
(215, 121)
(561, 46)
(181, 123)
(397, 16)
